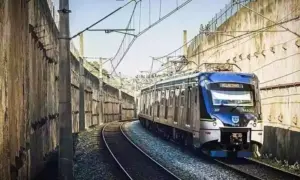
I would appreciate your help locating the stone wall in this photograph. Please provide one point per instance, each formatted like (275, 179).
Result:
(273, 54)
(29, 89)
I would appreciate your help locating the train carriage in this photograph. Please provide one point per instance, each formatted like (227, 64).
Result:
(218, 113)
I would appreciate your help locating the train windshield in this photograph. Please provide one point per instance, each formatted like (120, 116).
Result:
(232, 98)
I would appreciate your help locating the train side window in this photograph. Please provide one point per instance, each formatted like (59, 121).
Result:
(182, 97)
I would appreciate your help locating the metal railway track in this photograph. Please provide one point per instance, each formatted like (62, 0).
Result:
(253, 169)
(135, 163)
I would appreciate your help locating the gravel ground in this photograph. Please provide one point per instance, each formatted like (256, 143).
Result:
(295, 168)
(183, 164)
(258, 170)
(92, 160)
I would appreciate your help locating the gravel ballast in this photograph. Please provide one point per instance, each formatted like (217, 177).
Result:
(92, 160)
(182, 163)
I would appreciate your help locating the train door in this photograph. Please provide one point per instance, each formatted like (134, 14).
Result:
(195, 108)
(171, 105)
(182, 108)
(162, 104)
(188, 107)
(147, 102)
(144, 103)
(158, 103)
(155, 104)
(176, 108)
(167, 99)
(151, 102)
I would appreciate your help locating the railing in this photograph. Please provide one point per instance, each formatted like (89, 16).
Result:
(230, 9)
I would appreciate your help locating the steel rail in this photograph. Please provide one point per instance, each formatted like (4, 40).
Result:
(238, 170)
(143, 152)
(106, 144)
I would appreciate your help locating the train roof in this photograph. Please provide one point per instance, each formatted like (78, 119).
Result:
(213, 76)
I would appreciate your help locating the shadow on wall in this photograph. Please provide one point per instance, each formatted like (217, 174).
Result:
(50, 171)
(277, 141)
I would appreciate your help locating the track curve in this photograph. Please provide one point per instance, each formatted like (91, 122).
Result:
(135, 163)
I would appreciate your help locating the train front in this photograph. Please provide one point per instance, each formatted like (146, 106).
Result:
(230, 123)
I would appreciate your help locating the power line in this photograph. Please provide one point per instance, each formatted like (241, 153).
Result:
(122, 43)
(97, 22)
(146, 29)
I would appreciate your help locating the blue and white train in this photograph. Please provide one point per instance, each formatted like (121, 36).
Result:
(218, 113)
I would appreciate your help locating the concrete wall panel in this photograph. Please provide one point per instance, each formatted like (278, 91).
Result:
(273, 55)
(29, 89)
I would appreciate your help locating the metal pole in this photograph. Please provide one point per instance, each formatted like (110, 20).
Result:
(81, 88)
(100, 92)
(65, 121)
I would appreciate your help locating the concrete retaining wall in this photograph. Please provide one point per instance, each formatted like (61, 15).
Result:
(271, 53)
(29, 89)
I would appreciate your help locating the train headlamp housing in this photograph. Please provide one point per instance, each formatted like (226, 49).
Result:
(217, 122)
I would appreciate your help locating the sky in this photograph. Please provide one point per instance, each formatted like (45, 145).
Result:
(157, 41)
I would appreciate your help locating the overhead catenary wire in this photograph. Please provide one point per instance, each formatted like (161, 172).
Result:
(105, 17)
(146, 29)
(122, 43)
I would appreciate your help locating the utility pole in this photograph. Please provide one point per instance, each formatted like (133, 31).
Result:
(100, 119)
(81, 87)
(65, 120)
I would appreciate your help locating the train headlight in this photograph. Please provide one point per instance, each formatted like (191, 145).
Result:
(214, 123)
(254, 124)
